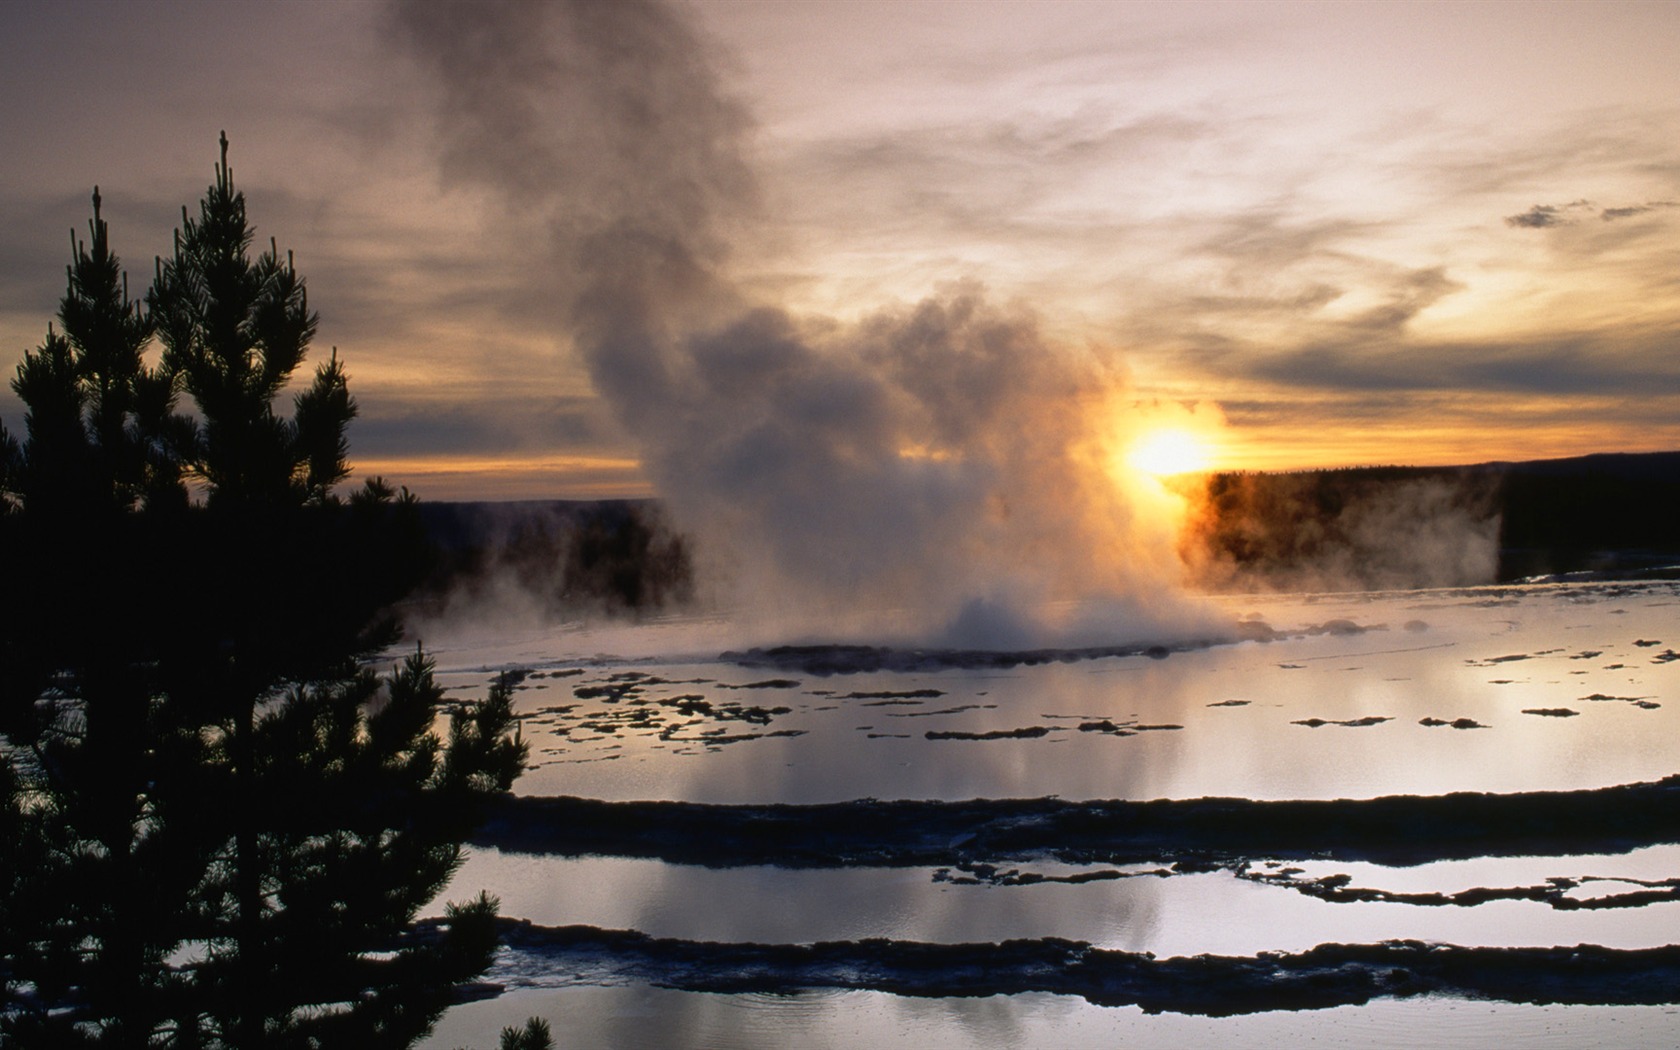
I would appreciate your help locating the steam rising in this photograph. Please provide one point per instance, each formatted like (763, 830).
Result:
(942, 458)
(1354, 531)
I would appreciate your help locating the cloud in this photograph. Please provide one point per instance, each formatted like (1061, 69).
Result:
(1335, 324)
(1409, 294)
(1537, 218)
(1612, 214)
(1545, 216)
(1564, 364)
(392, 427)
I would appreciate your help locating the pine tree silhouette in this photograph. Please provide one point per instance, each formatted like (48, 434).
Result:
(101, 424)
(220, 823)
(98, 442)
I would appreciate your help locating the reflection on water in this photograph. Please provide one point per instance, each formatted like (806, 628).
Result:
(641, 1017)
(1180, 914)
(1347, 696)
(1410, 666)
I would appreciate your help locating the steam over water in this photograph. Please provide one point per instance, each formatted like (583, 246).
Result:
(943, 458)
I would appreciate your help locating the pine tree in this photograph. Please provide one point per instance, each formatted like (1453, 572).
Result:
(534, 1036)
(98, 443)
(102, 426)
(224, 823)
(11, 461)
(236, 330)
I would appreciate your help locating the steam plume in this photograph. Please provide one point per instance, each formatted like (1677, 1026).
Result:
(935, 455)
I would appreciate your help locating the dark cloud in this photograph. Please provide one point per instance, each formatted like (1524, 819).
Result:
(1544, 216)
(1612, 214)
(1536, 218)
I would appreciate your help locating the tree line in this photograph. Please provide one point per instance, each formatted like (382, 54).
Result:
(219, 822)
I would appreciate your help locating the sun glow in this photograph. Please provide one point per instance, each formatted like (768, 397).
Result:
(1168, 451)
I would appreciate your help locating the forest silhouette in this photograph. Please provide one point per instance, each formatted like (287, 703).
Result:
(220, 822)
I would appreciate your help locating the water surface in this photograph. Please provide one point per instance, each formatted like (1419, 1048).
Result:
(1543, 695)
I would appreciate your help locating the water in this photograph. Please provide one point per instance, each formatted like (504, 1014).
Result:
(658, 1018)
(1403, 694)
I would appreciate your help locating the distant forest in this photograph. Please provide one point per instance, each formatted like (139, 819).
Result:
(1440, 526)
(1356, 528)
(563, 558)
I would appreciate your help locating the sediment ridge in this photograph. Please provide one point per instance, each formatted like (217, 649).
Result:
(1394, 830)
(1211, 985)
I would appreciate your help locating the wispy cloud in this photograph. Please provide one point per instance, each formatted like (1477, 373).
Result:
(1543, 216)
(1627, 212)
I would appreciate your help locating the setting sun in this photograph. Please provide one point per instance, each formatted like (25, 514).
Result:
(1163, 453)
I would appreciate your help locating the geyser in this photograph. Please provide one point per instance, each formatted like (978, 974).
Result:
(944, 459)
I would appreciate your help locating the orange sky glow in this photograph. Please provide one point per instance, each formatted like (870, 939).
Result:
(1333, 234)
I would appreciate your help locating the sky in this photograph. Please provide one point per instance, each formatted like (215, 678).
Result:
(1323, 234)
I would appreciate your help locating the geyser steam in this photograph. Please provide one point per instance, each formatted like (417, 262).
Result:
(939, 457)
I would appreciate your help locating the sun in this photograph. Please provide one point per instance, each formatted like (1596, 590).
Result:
(1168, 451)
